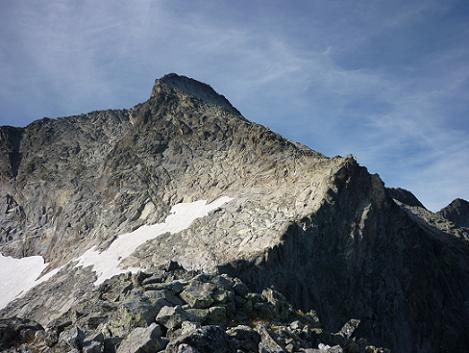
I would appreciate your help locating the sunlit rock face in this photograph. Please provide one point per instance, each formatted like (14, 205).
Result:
(100, 194)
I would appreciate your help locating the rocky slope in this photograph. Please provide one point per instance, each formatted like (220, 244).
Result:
(457, 212)
(178, 311)
(322, 231)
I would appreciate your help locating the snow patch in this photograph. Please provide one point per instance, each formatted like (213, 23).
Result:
(107, 263)
(17, 276)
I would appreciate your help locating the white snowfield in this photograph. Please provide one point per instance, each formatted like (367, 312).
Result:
(106, 264)
(17, 276)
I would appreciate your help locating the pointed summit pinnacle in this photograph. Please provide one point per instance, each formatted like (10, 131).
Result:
(193, 88)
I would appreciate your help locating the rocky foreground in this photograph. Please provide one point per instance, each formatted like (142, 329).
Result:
(174, 311)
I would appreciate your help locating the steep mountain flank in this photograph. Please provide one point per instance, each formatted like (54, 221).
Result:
(323, 231)
(457, 212)
(404, 196)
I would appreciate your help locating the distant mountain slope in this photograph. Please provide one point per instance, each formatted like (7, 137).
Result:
(323, 231)
(457, 212)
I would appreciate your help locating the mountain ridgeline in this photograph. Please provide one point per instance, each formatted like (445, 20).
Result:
(323, 232)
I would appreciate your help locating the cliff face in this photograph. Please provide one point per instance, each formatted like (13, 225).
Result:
(323, 231)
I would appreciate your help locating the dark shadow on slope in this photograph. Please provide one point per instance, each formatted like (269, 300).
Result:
(10, 139)
(361, 256)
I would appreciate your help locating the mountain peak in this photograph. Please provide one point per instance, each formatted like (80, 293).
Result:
(459, 201)
(190, 87)
(457, 212)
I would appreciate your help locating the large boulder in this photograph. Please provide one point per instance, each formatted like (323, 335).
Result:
(244, 338)
(172, 317)
(198, 294)
(143, 340)
(138, 310)
(73, 338)
(206, 339)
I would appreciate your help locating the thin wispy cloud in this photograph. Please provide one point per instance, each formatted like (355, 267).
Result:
(385, 81)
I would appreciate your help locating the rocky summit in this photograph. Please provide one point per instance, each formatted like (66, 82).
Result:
(180, 226)
(457, 212)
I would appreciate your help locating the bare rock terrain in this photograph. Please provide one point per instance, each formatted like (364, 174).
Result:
(323, 233)
(457, 212)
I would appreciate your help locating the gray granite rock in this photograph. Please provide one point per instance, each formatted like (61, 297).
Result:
(198, 294)
(323, 232)
(142, 340)
(182, 328)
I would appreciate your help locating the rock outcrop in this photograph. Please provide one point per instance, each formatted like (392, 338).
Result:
(323, 232)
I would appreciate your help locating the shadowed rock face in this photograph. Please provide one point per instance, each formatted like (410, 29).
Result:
(376, 254)
(323, 231)
(457, 212)
(404, 196)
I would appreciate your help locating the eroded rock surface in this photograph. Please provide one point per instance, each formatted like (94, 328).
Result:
(325, 233)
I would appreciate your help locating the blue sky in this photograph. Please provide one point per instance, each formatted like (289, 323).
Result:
(386, 81)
